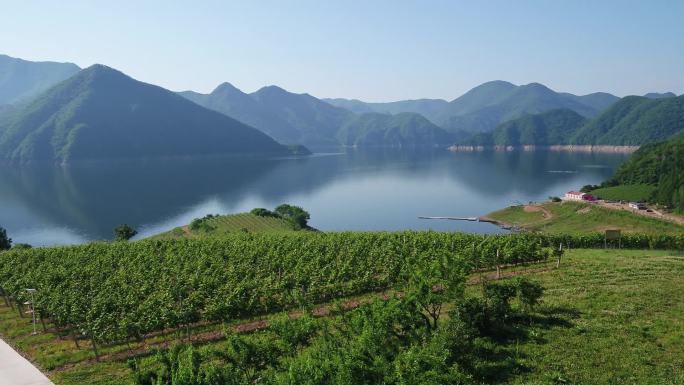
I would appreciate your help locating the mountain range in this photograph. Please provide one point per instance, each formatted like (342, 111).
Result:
(631, 121)
(303, 119)
(287, 117)
(57, 111)
(484, 107)
(100, 113)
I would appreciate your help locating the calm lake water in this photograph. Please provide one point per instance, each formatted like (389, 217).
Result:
(355, 190)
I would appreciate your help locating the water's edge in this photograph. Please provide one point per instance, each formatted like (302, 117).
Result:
(557, 147)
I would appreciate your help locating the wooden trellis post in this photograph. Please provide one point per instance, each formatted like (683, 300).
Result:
(498, 267)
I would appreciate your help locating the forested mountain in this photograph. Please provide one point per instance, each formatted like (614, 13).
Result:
(21, 80)
(659, 165)
(100, 113)
(486, 106)
(429, 108)
(505, 102)
(287, 117)
(657, 95)
(548, 128)
(302, 118)
(400, 130)
(599, 101)
(635, 120)
(632, 121)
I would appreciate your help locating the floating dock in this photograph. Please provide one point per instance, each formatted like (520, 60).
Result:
(471, 219)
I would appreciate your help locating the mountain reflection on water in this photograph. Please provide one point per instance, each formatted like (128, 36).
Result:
(352, 190)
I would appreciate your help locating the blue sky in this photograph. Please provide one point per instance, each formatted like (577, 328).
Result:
(373, 50)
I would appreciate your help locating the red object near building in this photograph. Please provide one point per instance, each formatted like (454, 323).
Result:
(579, 196)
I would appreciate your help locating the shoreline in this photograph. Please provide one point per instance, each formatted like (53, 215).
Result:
(556, 147)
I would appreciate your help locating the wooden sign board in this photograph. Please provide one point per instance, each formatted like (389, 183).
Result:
(613, 235)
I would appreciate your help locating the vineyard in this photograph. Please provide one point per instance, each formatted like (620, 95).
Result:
(112, 292)
(222, 224)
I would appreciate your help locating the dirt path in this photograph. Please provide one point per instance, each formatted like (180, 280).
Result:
(537, 208)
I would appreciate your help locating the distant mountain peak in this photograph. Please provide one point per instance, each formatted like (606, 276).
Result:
(226, 88)
(497, 83)
(272, 89)
(101, 71)
(536, 87)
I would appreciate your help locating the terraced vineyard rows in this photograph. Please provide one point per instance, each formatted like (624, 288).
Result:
(250, 222)
(113, 292)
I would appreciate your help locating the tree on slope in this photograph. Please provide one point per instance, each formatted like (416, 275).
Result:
(296, 214)
(5, 241)
(124, 232)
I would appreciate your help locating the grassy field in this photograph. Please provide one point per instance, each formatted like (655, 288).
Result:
(577, 218)
(633, 193)
(618, 318)
(623, 323)
(231, 223)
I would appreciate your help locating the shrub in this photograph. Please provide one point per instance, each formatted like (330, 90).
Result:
(262, 212)
(124, 232)
(529, 292)
(297, 215)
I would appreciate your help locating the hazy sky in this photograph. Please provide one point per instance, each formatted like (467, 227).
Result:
(373, 50)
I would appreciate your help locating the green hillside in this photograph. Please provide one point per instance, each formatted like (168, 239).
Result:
(225, 224)
(635, 120)
(102, 114)
(580, 218)
(632, 121)
(658, 165)
(548, 128)
(628, 192)
(21, 80)
(401, 130)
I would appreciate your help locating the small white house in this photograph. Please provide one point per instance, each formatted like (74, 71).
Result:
(579, 196)
(574, 196)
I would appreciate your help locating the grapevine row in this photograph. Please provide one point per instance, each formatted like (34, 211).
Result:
(117, 291)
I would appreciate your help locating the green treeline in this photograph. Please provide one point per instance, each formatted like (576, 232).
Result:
(660, 165)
